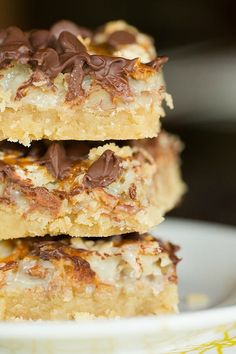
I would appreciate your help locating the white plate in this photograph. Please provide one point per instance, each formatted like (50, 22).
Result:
(208, 268)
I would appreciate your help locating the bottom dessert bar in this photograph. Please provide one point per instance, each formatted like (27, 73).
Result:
(67, 278)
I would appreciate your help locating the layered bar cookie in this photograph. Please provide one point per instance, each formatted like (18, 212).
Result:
(80, 190)
(71, 83)
(73, 278)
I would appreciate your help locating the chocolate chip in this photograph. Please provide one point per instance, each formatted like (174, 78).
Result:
(56, 161)
(69, 43)
(40, 39)
(103, 171)
(121, 38)
(15, 46)
(71, 27)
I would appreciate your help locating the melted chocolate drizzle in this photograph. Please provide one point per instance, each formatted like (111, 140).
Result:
(50, 52)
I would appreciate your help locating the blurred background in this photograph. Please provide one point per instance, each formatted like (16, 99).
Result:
(200, 39)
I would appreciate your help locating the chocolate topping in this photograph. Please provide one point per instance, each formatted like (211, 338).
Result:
(121, 38)
(56, 161)
(71, 27)
(47, 61)
(59, 158)
(132, 191)
(59, 50)
(40, 39)
(41, 197)
(70, 44)
(3, 35)
(48, 250)
(158, 62)
(14, 46)
(6, 170)
(37, 149)
(103, 171)
(110, 72)
(8, 265)
(77, 150)
(171, 249)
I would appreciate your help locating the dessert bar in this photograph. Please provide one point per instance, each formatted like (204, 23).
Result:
(71, 83)
(80, 190)
(73, 278)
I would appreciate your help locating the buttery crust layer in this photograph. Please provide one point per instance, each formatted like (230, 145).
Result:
(84, 191)
(73, 278)
(27, 124)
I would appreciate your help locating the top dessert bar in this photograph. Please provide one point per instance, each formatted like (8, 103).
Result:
(72, 83)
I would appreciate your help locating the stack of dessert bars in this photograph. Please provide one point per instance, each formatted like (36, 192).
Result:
(85, 174)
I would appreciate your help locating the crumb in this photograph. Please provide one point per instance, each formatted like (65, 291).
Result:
(197, 301)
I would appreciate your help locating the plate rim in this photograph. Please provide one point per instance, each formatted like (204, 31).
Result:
(199, 320)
